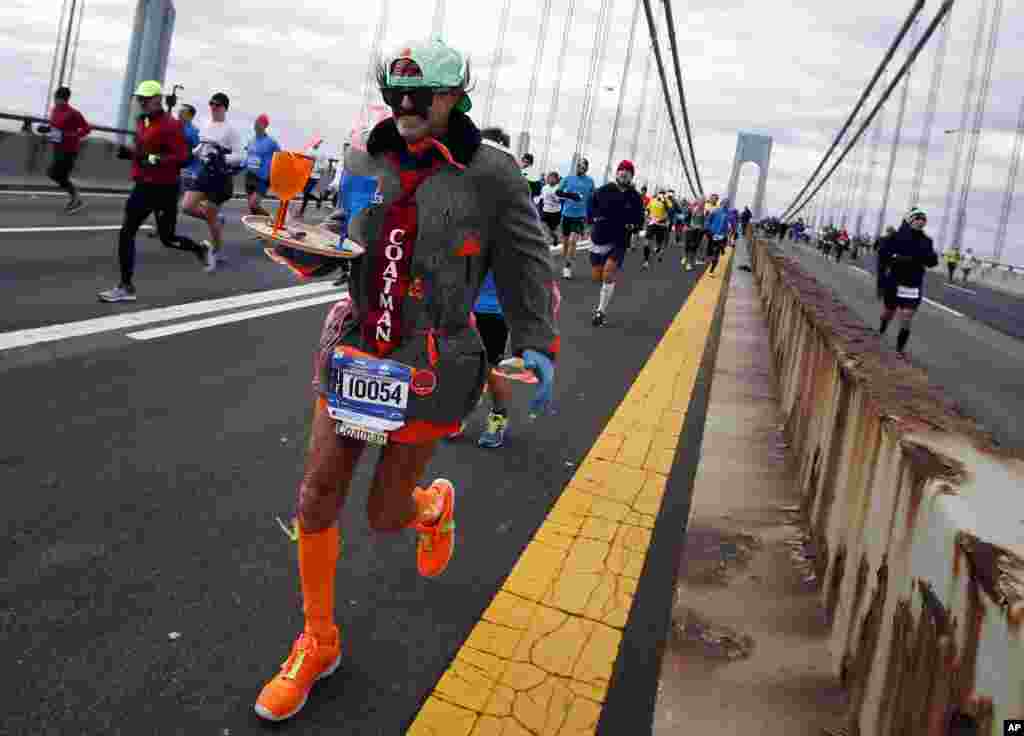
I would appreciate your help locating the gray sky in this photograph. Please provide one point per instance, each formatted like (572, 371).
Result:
(789, 70)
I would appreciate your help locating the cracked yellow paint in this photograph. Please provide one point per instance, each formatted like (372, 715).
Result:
(540, 660)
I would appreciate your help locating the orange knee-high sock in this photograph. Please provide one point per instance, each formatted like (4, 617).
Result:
(318, 567)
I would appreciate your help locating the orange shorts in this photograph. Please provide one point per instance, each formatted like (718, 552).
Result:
(415, 432)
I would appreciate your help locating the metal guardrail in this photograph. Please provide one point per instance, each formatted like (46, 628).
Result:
(27, 120)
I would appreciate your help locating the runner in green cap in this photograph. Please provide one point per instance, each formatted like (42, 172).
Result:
(400, 363)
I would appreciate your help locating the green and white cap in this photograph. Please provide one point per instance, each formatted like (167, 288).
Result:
(431, 63)
(914, 213)
(149, 88)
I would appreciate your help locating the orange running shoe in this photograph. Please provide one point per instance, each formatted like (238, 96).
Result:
(311, 659)
(437, 539)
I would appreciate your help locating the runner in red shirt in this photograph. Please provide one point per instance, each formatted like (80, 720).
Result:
(157, 158)
(66, 130)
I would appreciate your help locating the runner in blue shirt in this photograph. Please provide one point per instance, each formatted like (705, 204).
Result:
(258, 155)
(490, 323)
(575, 192)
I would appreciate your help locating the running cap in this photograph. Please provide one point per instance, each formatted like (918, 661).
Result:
(263, 120)
(915, 213)
(626, 165)
(431, 63)
(221, 99)
(149, 88)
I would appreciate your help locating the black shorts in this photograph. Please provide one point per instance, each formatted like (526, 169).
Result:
(62, 166)
(551, 219)
(894, 299)
(494, 332)
(572, 225)
(217, 187)
(693, 238)
(255, 185)
(657, 233)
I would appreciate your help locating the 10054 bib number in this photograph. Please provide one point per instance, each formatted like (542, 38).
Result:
(370, 389)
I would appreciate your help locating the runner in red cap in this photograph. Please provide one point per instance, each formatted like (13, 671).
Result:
(259, 152)
(617, 210)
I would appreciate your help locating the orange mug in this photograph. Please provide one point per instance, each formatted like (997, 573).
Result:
(289, 172)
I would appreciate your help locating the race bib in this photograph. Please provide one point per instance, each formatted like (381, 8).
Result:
(253, 163)
(368, 396)
(907, 292)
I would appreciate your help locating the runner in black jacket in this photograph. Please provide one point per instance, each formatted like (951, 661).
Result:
(903, 259)
(617, 211)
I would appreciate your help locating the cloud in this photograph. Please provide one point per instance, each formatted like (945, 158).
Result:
(789, 70)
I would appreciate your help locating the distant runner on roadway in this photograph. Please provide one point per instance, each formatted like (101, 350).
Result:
(903, 259)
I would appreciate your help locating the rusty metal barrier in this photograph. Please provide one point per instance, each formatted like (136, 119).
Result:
(918, 516)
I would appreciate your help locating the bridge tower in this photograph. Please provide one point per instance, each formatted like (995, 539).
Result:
(757, 149)
(148, 52)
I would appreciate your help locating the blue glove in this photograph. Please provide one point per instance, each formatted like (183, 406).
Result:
(542, 366)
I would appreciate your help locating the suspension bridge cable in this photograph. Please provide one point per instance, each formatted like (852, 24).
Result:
(594, 82)
(499, 51)
(882, 65)
(961, 138)
(894, 152)
(538, 57)
(979, 115)
(652, 29)
(78, 37)
(1011, 186)
(682, 97)
(53, 65)
(635, 143)
(873, 161)
(943, 9)
(622, 88)
(437, 28)
(557, 89)
(376, 51)
(929, 113)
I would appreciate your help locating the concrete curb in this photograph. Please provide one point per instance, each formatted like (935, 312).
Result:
(913, 509)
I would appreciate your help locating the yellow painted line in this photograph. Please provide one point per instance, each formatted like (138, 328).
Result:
(540, 660)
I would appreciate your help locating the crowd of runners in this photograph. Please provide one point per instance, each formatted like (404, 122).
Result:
(456, 296)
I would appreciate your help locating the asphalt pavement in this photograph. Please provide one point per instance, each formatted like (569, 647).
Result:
(981, 368)
(146, 586)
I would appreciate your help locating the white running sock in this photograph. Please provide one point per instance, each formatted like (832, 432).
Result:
(606, 297)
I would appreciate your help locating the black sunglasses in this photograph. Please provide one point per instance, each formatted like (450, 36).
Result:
(421, 97)
(216, 104)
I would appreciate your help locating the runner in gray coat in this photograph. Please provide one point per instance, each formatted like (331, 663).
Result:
(400, 363)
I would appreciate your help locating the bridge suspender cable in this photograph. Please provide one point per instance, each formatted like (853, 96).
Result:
(622, 90)
(499, 51)
(538, 57)
(878, 106)
(634, 145)
(682, 97)
(929, 113)
(914, 12)
(665, 91)
(594, 78)
(557, 89)
(1011, 185)
(979, 115)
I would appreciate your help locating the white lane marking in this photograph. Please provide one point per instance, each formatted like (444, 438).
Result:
(66, 229)
(226, 319)
(942, 307)
(954, 286)
(23, 192)
(51, 333)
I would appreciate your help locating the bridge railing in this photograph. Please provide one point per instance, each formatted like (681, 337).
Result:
(915, 514)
